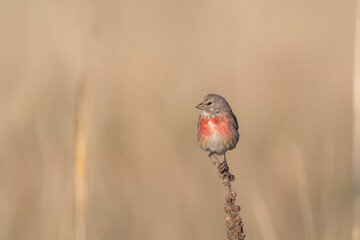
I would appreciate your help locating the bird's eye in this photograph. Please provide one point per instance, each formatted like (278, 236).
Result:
(209, 103)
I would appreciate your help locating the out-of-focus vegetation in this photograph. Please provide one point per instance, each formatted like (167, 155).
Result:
(284, 66)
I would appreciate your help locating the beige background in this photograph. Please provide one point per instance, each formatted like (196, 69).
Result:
(284, 66)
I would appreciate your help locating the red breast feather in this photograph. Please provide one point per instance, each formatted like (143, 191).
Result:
(218, 133)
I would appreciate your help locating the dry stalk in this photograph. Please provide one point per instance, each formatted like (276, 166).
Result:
(356, 128)
(82, 117)
(80, 164)
(235, 225)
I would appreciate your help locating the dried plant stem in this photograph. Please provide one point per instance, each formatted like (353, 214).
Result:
(235, 225)
(81, 127)
(80, 164)
(304, 194)
(356, 127)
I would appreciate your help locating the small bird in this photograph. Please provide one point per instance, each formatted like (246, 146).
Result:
(217, 126)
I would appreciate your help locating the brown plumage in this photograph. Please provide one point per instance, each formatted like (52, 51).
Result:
(217, 125)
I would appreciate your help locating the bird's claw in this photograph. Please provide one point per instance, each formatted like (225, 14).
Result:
(223, 167)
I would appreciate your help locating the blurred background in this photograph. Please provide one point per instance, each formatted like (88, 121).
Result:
(286, 68)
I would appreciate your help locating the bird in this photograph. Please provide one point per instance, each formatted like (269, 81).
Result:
(217, 127)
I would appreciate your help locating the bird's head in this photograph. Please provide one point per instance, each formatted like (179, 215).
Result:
(214, 104)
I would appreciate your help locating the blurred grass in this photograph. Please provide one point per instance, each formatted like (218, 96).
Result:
(285, 67)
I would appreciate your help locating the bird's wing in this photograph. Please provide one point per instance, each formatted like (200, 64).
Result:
(235, 122)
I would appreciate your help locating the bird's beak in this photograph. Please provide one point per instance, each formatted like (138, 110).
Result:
(200, 106)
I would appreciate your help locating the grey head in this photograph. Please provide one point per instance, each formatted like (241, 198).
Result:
(214, 104)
